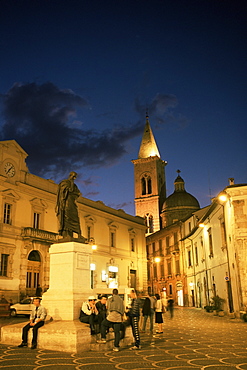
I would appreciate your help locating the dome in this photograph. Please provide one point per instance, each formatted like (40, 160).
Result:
(179, 204)
(180, 199)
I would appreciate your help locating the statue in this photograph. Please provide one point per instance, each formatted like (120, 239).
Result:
(66, 208)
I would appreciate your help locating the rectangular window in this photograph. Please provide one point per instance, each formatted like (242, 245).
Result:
(223, 233)
(113, 239)
(170, 289)
(153, 245)
(169, 267)
(189, 259)
(36, 220)
(210, 242)
(7, 213)
(4, 265)
(88, 233)
(35, 279)
(160, 247)
(132, 244)
(167, 245)
(196, 253)
(29, 279)
(175, 236)
(147, 250)
(177, 267)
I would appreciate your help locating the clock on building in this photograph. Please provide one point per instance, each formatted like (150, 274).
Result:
(9, 169)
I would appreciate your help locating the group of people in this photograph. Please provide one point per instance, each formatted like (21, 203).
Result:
(155, 306)
(107, 313)
(110, 313)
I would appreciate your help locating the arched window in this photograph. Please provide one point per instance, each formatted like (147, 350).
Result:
(146, 184)
(149, 222)
(149, 185)
(143, 181)
(34, 256)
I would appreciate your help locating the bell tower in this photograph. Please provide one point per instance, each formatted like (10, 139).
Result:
(150, 183)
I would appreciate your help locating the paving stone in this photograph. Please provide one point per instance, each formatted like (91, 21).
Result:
(192, 340)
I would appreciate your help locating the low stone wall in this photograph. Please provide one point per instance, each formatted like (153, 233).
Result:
(65, 336)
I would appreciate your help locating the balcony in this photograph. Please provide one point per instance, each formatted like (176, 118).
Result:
(37, 234)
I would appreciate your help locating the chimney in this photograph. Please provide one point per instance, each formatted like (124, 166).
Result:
(231, 181)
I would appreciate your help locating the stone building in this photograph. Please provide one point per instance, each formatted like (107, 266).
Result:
(28, 226)
(215, 251)
(193, 254)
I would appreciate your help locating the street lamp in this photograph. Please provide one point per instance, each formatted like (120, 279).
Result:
(154, 260)
(223, 198)
(92, 243)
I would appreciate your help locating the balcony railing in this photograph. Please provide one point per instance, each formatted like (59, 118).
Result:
(37, 234)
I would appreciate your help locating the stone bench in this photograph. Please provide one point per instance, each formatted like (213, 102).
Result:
(65, 336)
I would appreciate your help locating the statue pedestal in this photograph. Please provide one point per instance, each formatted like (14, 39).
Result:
(69, 280)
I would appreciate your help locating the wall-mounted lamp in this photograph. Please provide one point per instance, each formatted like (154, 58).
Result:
(92, 243)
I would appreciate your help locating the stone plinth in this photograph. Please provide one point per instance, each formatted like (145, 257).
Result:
(65, 336)
(69, 280)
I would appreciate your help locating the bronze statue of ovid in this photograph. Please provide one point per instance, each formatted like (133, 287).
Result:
(66, 209)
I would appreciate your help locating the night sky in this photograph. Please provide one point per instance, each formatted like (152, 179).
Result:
(76, 78)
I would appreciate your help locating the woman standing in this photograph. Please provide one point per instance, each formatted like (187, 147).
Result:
(158, 314)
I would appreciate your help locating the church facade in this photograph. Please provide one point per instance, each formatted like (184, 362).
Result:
(28, 226)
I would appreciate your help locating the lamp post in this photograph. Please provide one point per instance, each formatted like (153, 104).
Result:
(223, 198)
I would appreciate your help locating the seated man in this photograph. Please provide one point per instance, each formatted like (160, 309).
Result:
(89, 313)
(101, 307)
(37, 319)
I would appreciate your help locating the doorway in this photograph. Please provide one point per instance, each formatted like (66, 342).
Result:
(33, 272)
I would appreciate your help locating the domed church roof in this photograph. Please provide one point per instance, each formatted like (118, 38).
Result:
(179, 204)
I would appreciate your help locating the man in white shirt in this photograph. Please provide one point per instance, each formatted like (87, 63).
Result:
(37, 319)
(89, 313)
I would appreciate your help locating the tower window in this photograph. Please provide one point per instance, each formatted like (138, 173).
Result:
(149, 222)
(149, 186)
(143, 186)
(146, 184)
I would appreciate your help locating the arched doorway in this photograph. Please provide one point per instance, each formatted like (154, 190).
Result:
(33, 272)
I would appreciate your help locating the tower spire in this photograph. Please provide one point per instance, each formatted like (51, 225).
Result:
(148, 146)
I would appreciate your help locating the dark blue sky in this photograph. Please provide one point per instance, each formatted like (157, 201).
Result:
(76, 78)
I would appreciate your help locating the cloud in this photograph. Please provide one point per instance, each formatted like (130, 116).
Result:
(161, 110)
(43, 120)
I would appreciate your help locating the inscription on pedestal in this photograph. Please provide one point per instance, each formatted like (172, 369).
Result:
(82, 261)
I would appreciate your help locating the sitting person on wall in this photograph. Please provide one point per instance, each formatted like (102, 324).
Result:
(37, 319)
(89, 313)
(102, 310)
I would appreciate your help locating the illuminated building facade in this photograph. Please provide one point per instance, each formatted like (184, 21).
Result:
(28, 226)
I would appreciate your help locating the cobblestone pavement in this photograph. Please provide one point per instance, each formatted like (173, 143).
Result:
(193, 339)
